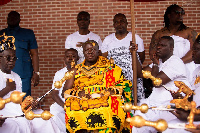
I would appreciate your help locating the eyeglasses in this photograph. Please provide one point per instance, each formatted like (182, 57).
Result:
(84, 19)
(180, 12)
(9, 58)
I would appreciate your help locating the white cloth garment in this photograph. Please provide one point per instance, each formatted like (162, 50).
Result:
(56, 109)
(196, 98)
(13, 125)
(74, 38)
(181, 47)
(46, 126)
(21, 124)
(119, 51)
(175, 69)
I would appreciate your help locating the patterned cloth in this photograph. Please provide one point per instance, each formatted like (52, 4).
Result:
(102, 112)
(119, 51)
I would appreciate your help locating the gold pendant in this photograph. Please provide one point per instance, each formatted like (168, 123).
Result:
(197, 80)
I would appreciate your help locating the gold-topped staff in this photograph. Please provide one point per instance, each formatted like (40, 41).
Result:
(156, 81)
(46, 115)
(137, 121)
(57, 84)
(15, 97)
(68, 75)
(128, 107)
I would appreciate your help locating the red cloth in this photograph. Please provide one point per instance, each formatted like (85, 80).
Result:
(3, 2)
(142, 0)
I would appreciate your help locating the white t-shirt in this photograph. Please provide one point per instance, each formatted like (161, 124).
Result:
(119, 51)
(74, 38)
(111, 42)
(175, 69)
(58, 76)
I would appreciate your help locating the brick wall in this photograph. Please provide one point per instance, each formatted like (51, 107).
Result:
(53, 20)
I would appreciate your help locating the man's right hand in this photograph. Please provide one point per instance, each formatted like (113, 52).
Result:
(2, 120)
(10, 85)
(155, 59)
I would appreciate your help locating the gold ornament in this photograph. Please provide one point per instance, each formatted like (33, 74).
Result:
(68, 75)
(190, 118)
(137, 121)
(181, 103)
(15, 97)
(6, 38)
(184, 88)
(156, 81)
(128, 107)
(46, 115)
(26, 104)
(112, 61)
(197, 80)
(73, 64)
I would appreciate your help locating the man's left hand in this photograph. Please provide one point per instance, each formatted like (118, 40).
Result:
(133, 47)
(181, 114)
(35, 79)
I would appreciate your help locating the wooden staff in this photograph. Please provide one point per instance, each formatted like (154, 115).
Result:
(134, 52)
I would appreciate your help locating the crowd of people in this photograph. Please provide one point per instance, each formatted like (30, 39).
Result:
(91, 100)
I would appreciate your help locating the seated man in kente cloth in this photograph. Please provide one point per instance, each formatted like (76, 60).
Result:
(94, 94)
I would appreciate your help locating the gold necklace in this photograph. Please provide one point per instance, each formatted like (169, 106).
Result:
(197, 80)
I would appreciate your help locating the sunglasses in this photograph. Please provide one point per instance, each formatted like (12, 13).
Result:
(180, 12)
(9, 58)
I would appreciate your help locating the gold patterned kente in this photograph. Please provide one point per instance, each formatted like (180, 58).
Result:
(94, 102)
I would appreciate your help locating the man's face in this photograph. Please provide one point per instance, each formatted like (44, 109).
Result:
(91, 53)
(120, 24)
(196, 53)
(70, 55)
(176, 15)
(83, 21)
(13, 20)
(163, 48)
(8, 59)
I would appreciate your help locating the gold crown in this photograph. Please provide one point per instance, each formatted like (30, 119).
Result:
(2, 43)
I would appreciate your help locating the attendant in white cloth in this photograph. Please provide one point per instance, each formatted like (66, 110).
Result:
(169, 68)
(181, 114)
(183, 36)
(116, 45)
(11, 125)
(57, 109)
(19, 124)
(82, 35)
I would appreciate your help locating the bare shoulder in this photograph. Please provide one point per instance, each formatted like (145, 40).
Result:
(191, 34)
(156, 36)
